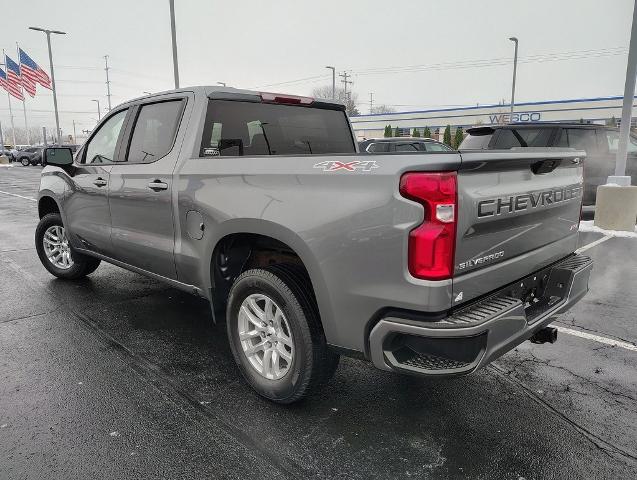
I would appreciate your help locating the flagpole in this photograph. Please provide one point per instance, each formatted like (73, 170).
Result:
(9, 98)
(24, 105)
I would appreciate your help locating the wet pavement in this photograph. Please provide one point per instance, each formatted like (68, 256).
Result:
(119, 376)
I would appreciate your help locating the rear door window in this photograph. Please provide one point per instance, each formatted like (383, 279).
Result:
(523, 137)
(437, 147)
(381, 147)
(610, 141)
(409, 147)
(154, 132)
(579, 138)
(235, 128)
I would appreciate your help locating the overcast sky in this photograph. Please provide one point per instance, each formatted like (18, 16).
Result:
(457, 52)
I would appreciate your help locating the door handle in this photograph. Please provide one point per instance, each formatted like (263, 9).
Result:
(157, 185)
(100, 182)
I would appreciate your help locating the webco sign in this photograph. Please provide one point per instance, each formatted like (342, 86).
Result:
(515, 117)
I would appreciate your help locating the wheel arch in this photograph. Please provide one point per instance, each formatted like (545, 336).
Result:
(47, 204)
(243, 236)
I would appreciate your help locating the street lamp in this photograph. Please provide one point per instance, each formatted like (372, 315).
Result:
(515, 68)
(55, 100)
(99, 115)
(174, 41)
(333, 69)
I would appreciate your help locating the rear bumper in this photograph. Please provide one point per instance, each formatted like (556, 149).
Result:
(473, 336)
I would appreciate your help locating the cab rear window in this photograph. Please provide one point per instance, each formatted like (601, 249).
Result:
(235, 128)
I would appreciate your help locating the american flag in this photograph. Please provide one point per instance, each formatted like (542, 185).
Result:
(33, 72)
(14, 82)
(10, 82)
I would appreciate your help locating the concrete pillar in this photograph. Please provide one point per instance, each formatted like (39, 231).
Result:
(616, 207)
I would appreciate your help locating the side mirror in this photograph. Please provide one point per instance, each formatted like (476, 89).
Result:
(59, 156)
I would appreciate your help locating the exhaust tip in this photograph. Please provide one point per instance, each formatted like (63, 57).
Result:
(545, 335)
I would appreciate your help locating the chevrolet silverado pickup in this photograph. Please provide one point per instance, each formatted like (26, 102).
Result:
(425, 263)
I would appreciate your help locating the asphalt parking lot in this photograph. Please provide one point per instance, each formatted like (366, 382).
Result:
(119, 376)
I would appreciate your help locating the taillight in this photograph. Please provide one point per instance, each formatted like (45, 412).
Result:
(287, 99)
(432, 243)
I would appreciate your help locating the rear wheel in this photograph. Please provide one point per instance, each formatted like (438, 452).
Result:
(25, 162)
(275, 333)
(56, 253)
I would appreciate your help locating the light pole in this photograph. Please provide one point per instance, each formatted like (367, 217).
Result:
(55, 99)
(223, 84)
(174, 39)
(620, 177)
(515, 68)
(99, 115)
(333, 69)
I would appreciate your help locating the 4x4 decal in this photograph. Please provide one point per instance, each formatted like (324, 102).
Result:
(334, 165)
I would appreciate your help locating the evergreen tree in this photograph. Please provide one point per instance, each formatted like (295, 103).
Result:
(458, 137)
(416, 133)
(446, 138)
(427, 133)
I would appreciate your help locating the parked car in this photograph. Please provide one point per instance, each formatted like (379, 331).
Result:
(402, 144)
(599, 143)
(7, 152)
(259, 203)
(29, 156)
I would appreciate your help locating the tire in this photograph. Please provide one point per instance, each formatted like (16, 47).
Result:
(313, 363)
(81, 265)
(25, 162)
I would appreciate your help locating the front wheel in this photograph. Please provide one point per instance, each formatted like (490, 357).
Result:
(25, 162)
(56, 253)
(275, 333)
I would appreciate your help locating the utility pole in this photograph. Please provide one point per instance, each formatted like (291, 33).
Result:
(44, 136)
(174, 40)
(371, 102)
(345, 81)
(1, 138)
(515, 68)
(55, 98)
(333, 69)
(74, 134)
(108, 83)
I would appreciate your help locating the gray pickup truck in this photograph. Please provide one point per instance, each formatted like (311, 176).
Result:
(426, 263)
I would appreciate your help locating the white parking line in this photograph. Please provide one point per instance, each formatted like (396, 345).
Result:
(19, 196)
(593, 244)
(597, 338)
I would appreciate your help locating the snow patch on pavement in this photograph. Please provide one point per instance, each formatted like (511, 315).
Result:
(589, 226)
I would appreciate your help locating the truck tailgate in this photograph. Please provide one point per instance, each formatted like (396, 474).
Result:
(518, 211)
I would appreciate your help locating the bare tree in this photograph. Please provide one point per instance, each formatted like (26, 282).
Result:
(350, 102)
(35, 135)
(383, 109)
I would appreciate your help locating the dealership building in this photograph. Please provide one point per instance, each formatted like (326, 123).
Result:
(589, 110)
